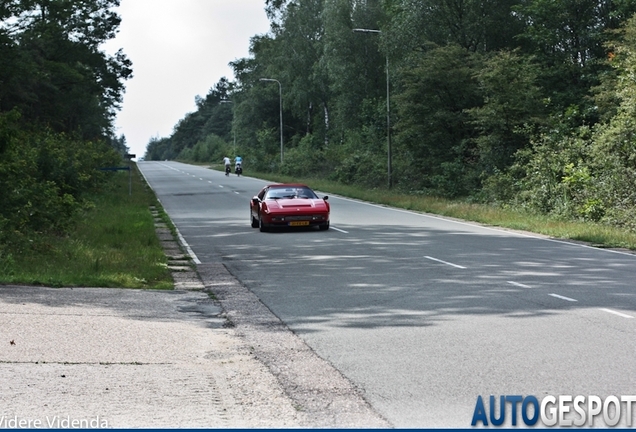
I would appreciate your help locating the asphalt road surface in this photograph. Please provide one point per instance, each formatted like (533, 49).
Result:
(423, 314)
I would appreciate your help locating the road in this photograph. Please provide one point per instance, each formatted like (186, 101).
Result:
(423, 314)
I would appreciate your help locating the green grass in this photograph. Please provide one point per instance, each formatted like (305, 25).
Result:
(113, 245)
(592, 233)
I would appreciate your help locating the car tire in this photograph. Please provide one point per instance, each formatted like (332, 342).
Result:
(261, 226)
(324, 227)
(254, 221)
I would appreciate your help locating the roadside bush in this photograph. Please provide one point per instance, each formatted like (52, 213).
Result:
(186, 155)
(614, 168)
(305, 159)
(588, 173)
(265, 156)
(551, 177)
(44, 179)
(212, 149)
(361, 160)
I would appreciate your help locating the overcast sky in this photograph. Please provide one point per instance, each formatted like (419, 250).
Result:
(179, 49)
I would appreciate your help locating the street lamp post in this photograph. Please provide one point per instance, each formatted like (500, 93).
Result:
(388, 109)
(280, 104)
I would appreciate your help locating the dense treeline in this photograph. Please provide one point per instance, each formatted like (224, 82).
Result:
(58, 96)
(521, 102)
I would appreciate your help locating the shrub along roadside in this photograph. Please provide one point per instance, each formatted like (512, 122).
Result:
(113, 244)
(596, 234)
(46, 178)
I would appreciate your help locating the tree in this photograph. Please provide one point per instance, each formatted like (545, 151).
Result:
(567, 37)
(513, 109)
(119, 144)
(159, 149)
(58, 96)
(434, 125)
(354, 61)
(489, 99)
(210, 117)
(58, 76)
(613, 160)
(300, 46)
(478, 26)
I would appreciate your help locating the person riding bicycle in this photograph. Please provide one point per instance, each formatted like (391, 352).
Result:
(238, 167)
(228, 165)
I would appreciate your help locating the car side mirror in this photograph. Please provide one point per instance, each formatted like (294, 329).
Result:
(326, 197)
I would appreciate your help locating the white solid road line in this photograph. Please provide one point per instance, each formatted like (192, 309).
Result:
(187, 247)
(617, 313)
(197, 261)
(444, 262)
(563, 297)
(485, 227)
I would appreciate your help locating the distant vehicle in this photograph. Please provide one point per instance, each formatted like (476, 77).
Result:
(289, 205)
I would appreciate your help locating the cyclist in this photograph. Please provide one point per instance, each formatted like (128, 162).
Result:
(228, 167)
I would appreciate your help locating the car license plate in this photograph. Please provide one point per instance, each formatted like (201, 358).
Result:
(299, 223)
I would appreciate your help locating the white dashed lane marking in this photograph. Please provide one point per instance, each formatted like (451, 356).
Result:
(519, 284)
(444, 262)
(563, 297)
(340, 230)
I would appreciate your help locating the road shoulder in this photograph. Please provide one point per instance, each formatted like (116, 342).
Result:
(322, 395)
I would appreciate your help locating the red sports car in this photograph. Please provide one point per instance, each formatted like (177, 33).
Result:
(289, 205)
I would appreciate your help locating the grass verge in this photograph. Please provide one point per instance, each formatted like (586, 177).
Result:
(597, 235)
(114, 245)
